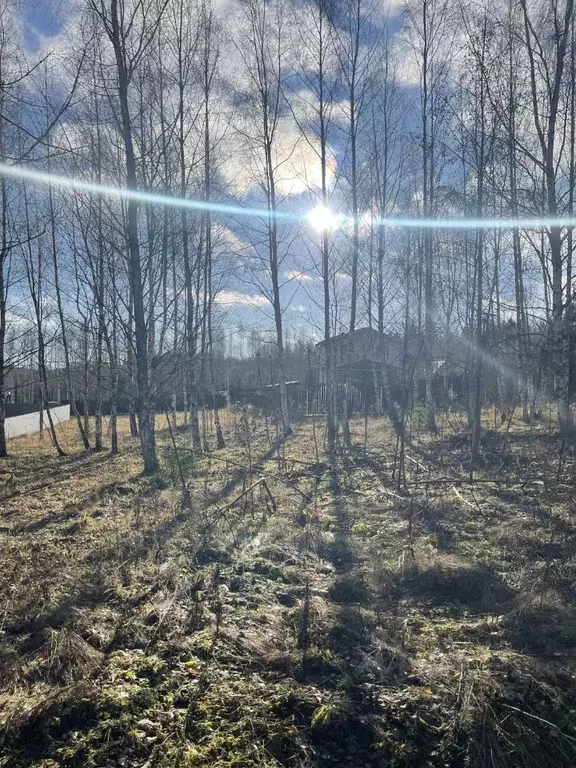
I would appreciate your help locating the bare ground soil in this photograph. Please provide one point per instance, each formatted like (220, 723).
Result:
(325, 617)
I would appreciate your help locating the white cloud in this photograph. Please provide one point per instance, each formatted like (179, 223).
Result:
(299, 159)
(296, 158)
(408, 72)
(14, 319)
(227, 240)
(294, 274)
(237, 299)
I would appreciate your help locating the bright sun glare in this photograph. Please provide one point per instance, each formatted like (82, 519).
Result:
(322, 219)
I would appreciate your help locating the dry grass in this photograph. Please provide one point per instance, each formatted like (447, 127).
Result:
(355, 625)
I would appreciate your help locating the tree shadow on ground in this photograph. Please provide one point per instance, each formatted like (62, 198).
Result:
(546, 631)
(517, 455)
(25, 743)
(72, 510)
(459, 588)
(241, 473)
(38, 477)
(341, 552)
(92, 587)
(352, 638)
(440, 522)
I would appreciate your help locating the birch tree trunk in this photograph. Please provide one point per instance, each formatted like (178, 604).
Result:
(114, 25)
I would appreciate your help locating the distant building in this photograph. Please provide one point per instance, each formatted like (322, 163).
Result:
(380, 367)
(361, 352)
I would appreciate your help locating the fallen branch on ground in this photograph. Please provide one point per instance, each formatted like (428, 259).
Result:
(220, 513)
(257, 470)
(263, 483)
(474, 481)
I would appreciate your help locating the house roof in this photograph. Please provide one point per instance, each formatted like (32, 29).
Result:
(360, 333)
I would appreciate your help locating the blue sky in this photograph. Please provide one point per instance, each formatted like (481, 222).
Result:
(43, 19)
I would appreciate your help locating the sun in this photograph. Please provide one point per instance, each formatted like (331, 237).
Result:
(322, 219)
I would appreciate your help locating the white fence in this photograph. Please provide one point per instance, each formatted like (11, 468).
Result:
(28, 423)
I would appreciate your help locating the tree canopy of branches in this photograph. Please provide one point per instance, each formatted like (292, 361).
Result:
(318, 158)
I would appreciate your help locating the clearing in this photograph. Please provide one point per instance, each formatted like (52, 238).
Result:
(324, 617)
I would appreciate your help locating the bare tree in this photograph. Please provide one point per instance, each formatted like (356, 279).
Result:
(264, 61)
(547, 31)
(131, 31)
(319, 71)
(430, 27)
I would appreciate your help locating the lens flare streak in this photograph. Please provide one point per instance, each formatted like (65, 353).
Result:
(68, 182)
(540, 222)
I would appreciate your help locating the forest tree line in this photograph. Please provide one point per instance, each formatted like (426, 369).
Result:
(358, 110)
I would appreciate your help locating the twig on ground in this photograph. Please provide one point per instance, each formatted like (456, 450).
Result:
(463, 500)
(475, 481)
(221, 512)
(421, 466)
(259, 471)
(540, 720)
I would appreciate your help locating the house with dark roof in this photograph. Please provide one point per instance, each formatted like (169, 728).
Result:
(363, 351)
